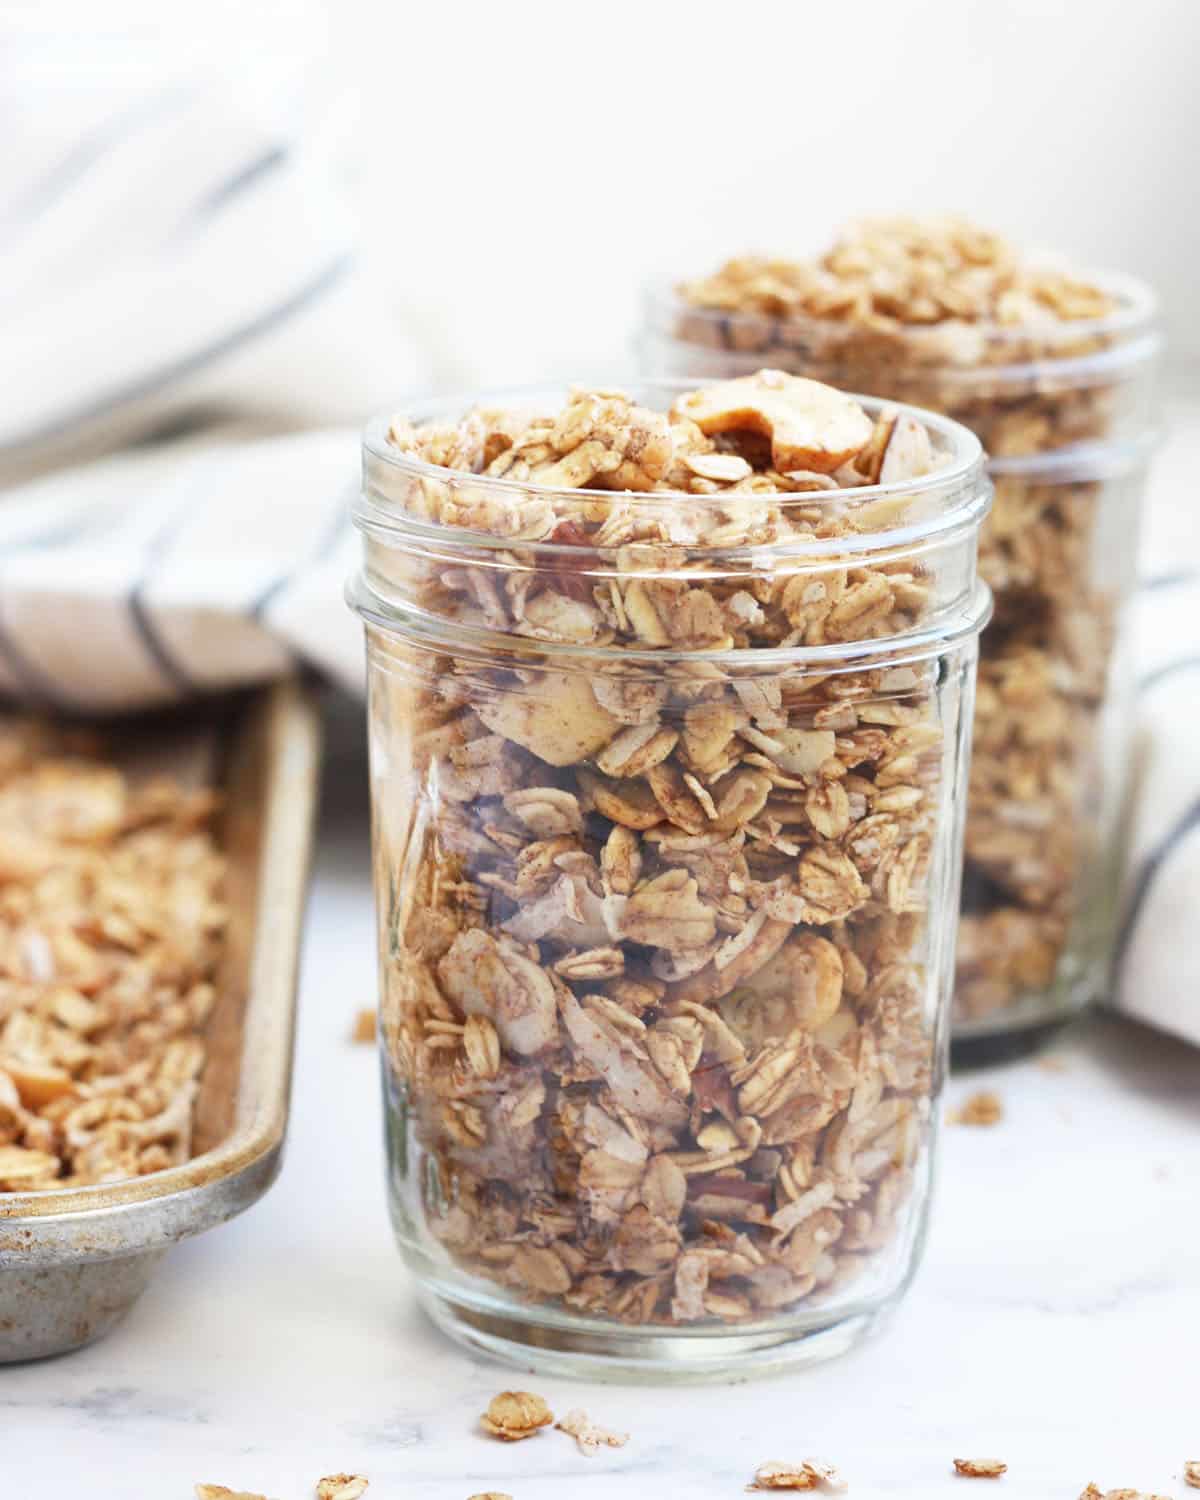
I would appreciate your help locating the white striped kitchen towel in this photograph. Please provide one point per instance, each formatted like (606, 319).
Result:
(1157, 972)
(189, 340)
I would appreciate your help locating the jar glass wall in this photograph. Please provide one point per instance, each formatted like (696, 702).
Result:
(666, 932)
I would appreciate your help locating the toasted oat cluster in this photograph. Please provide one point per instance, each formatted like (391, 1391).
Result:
(927, 311)
(980, 1108)
(515, 1415)
(980, 1468)
(812, 1474)
(111, 925)
(904, 272)
(589, 1436)
(769, 457)
(656, 985)
(1094, 1492)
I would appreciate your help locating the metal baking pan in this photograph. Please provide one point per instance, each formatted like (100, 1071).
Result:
(73, 1261)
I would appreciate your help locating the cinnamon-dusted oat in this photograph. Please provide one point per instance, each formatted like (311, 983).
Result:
(513, 1415)
(223, 1492)
(984, 1107)
(342, 1487)
(980, 1468)
(655, 967)
(812, 1474)
(588, 1435)
(111, 927)
(1094, 1492)
(946, 315)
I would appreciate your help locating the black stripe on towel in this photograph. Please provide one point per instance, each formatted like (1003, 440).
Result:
(143, 622)
(328, 539)
(148, 634)
(34, 683)
(1160, 674)
(266, 322)
(236, 183)
(1167, 580)
(1147, 875)
(84, 155)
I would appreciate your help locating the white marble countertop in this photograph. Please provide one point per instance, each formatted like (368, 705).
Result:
(1055, 1323)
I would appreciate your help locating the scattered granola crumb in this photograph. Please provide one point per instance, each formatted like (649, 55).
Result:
(1094, 1492)
(588, 1435)
(364, 1027)
(341, 1486)
(223, 1492)
(490, 1495)
(812, 1474)
(513, 1415)
(980, 1468)
(981, 1108)
(1191, 1473)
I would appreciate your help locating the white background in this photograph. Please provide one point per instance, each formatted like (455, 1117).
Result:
(529, 163)
(520, 167)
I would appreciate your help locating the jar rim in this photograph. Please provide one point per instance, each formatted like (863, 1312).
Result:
(1080, 463)
(1137, 312)
(932, 639)
(964, 450)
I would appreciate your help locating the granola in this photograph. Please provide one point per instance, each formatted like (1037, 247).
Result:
(812, 1474)
(946, 315)
(1094, 1492)
(513, 1415)
(1191, 1473)
(342, 1487)
(657, 992)
(223, 1492)
(981, 1108)
(936, 312)
(588, 1435)
(111, 928)
(980, 1468)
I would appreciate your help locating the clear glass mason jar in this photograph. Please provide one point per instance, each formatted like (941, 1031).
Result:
(1067, 415)
(666, 934)
(1050, 762)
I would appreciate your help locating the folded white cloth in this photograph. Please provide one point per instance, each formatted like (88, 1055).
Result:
(180, 288)
(1157, 971)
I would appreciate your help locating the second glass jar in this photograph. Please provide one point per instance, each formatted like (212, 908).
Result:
(1066, 413)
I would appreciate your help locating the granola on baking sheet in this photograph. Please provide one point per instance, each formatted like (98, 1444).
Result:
(946, 315)
(656, 944)
(111, 925)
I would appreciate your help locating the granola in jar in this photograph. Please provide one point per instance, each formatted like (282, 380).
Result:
(666, 704)
(1054, 371)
